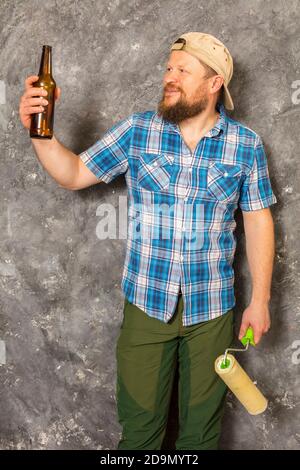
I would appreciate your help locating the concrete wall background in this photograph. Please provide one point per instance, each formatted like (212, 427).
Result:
(60, 297)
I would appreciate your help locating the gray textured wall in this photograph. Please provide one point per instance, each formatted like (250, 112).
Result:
(60, 297)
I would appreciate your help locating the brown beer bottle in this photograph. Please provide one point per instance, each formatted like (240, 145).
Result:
(42, 123)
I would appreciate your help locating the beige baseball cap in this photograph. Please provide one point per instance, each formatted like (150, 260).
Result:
(213, 53)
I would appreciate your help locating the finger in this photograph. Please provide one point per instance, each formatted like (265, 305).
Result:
(30, 80)
(57, 93)
(267, 326)
(257, 339)
(34, 91)
(35, 101)
(32, 109)
(243, 329)
(257, 336)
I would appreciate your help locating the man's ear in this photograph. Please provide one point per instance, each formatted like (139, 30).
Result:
(217, 83)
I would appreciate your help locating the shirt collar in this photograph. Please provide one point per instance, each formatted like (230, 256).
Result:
(218, 127)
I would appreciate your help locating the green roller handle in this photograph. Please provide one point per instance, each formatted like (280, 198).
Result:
(248, 337)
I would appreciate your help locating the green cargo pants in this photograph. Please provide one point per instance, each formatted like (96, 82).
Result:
(147, 354)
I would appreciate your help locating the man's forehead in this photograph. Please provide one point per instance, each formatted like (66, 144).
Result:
(182, 58)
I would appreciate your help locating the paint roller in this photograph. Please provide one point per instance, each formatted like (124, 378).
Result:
(236, 379)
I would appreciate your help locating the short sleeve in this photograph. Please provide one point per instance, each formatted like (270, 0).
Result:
(107, 158)
(256, 190)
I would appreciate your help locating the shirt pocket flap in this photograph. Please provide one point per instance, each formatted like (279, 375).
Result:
(157, 159)
(154, 171)
(223, 181)
(224, 169)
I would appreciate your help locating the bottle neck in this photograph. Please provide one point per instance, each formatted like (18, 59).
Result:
(46, 61)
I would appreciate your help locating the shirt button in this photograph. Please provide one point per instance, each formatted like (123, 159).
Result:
(155, 164)
(225, 174)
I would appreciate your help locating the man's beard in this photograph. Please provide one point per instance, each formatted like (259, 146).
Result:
(181, 110)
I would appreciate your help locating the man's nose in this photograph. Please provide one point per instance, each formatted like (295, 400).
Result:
(171, 79)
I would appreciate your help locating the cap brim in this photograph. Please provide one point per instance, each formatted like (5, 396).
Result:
(228, 103)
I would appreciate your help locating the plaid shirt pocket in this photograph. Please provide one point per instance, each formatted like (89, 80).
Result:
(154, 171)
(223, 181)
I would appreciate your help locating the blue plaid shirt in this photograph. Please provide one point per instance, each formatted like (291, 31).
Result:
(181, 208)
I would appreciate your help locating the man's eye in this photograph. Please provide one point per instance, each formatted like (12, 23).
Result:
(170, 68)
